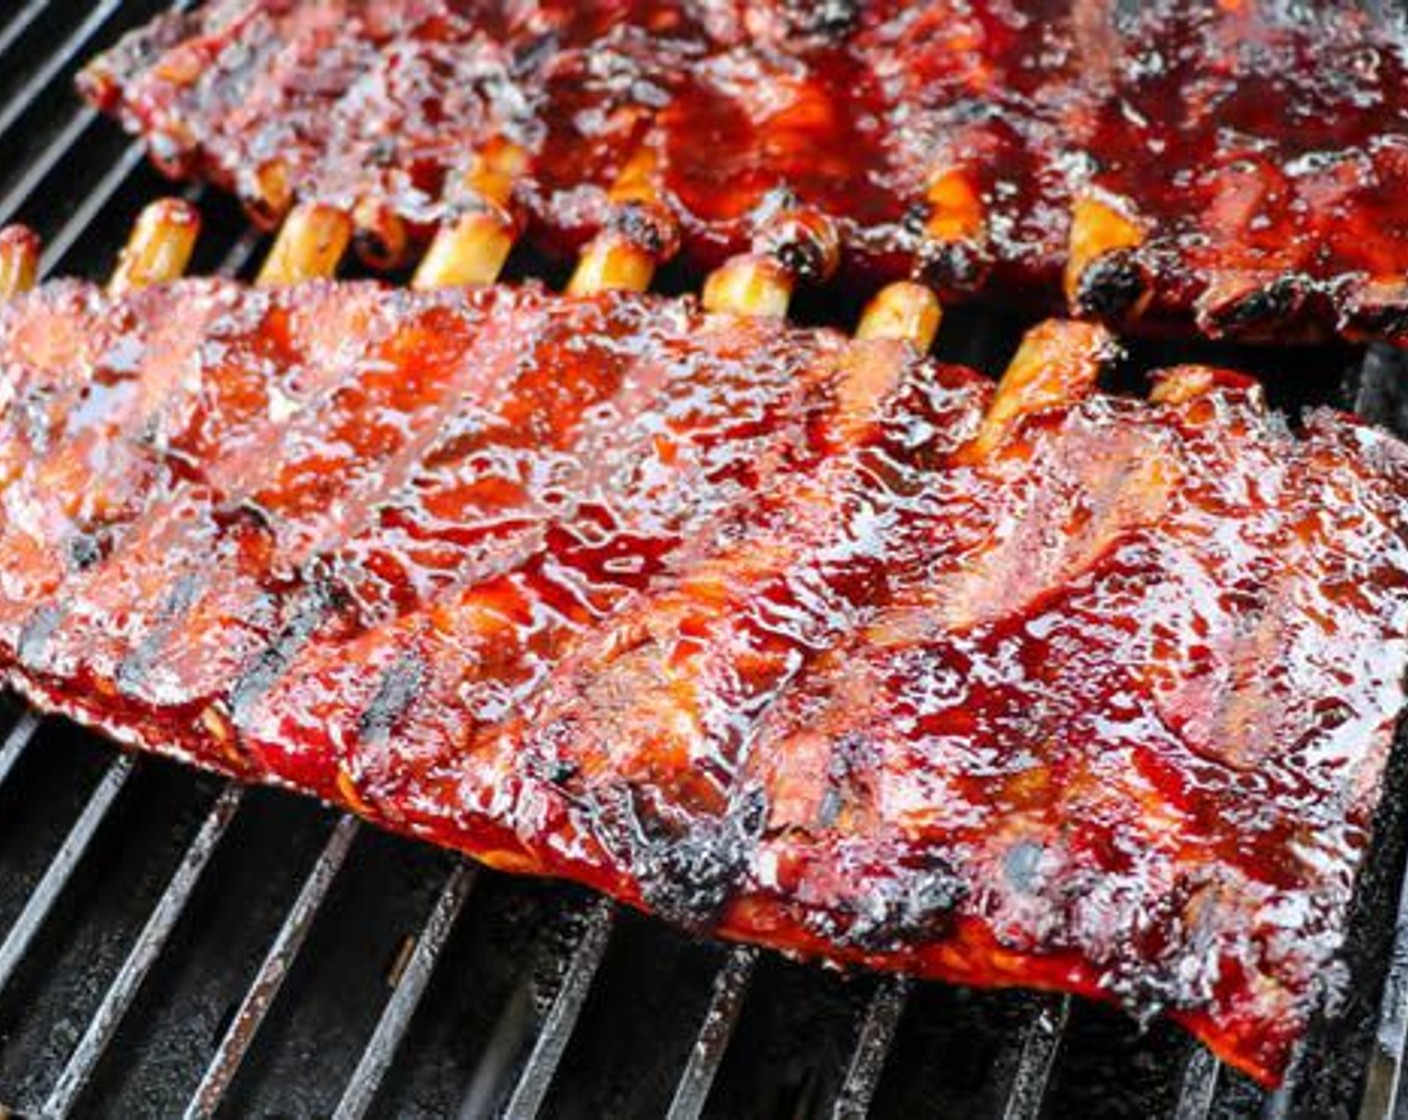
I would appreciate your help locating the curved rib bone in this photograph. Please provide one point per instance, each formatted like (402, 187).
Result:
(159, 247)
(310, 245)
(19, 260)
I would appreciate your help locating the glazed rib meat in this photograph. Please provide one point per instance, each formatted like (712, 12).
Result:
(802, 641)
(1241, 166)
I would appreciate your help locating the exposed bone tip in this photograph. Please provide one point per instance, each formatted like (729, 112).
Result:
(268, 194)
(805, 242)
(310, 245)
(1104, 276)
(1057, 364)
(755, 285)
(952, 227)
(639, 234)
(473, 244)
(612, 263)
(903, 310)
(20, 248)
(1056, 339)
(471, 248)
(160, 247)
(1189, 384)
(19, 237)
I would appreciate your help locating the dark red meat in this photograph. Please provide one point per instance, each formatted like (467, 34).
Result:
(801, 641)
(1244, 165)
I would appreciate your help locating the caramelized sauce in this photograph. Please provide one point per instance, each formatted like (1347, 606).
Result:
(803, 641)
(1260, 150)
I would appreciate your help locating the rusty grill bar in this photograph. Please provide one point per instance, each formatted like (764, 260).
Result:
(80, 183)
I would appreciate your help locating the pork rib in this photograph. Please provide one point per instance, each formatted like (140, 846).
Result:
(803, 641)
(1241, 165)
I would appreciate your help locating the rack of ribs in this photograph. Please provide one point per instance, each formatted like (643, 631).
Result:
(1241, 167)
(798, 639)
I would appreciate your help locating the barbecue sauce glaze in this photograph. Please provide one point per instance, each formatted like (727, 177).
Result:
(772, 633)
(1243, 164)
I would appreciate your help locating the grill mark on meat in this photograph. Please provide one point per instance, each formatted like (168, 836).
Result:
(625, 450)
(749, 612)
(222, 532)
(540, 386)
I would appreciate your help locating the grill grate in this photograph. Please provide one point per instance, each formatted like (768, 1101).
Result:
(161, 972)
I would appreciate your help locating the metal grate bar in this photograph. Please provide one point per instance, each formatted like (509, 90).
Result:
(15, 743)
(536, 1076)
(56, 876)
(44, 77)
(275, 967)
(240, 253)
(1198, 1087)
(150, 944)
(401, 1008)
(39, 168)
(57, 247)
(1041, 1042)
(725, 1005)
(20, 22)
(76, 844)
(41, 165)
(877, 1034)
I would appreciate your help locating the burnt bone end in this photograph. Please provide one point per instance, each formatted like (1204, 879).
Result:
(1254, 309)
(648, 226)
(1112, 288)
(377, 248)
(953, 268)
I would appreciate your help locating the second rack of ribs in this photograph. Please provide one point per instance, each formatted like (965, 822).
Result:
(806, 641)
(1238, 165)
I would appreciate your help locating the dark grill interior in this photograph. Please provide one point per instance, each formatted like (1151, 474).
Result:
(174, 944)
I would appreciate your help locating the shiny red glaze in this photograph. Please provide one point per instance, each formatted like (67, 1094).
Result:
(1262, 149)
(732, 621)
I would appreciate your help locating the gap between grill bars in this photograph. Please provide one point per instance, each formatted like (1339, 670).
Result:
(531, 1042)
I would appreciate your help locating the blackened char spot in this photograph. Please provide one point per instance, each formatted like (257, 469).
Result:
(532, 51)
(1111, 287)
(687, 868)
(902, 900)
(84, 550)
(953, 267)
(848, 772)
(1381, 319)
(1260, 308)
(371, 246)
(828, 19)
(649, 228)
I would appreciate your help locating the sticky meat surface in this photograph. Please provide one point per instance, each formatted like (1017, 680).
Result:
(800, 641)
(1238, 165)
